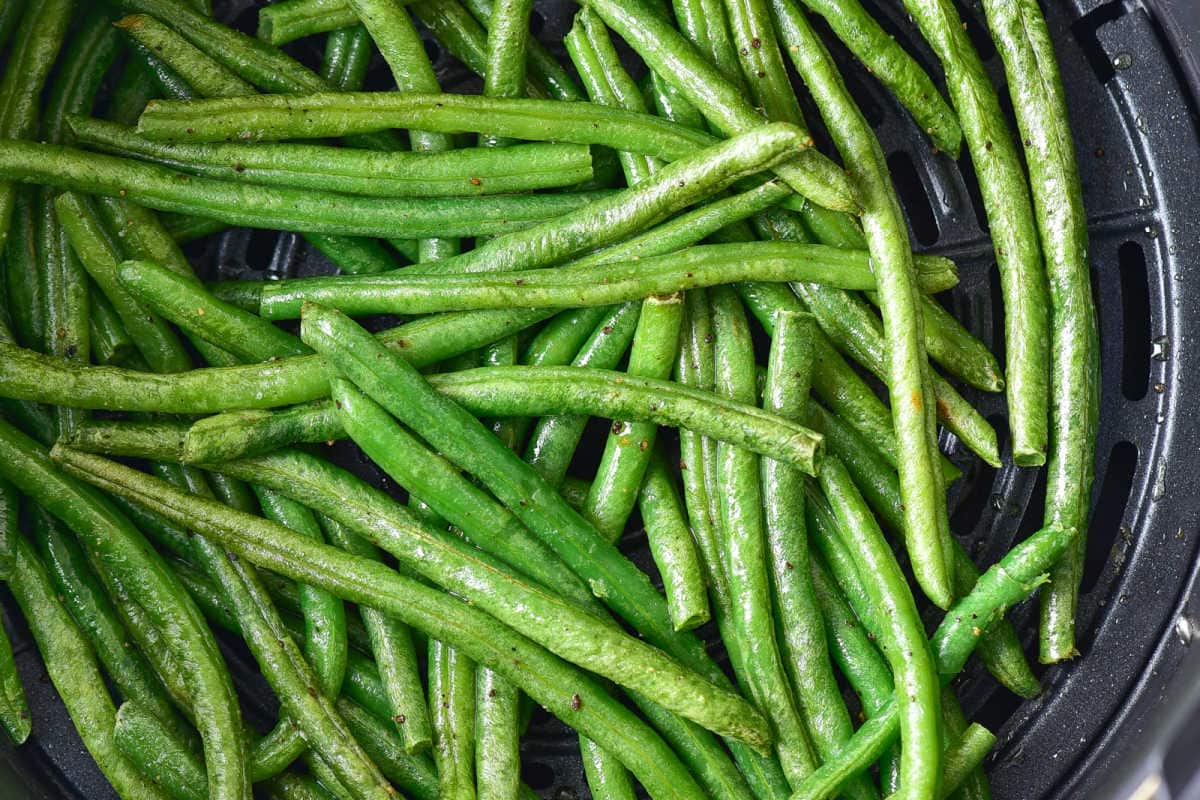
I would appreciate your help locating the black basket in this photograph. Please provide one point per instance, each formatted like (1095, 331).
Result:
(1132, 74)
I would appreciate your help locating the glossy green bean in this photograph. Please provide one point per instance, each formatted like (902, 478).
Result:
(669, 54)
(508, 45)
(414, 775)
(353, 171)
(111, 344)
(798, 619)
(497, 737)
(280, 23)
(602, 284)
(121, 548)
(672, 547)
(347, 54)
(98, 251)
(22, 286)
(606, 779)
(452, 709)
(1010, 215)
(38, 37)
(1024, 42)
(391, 642)
(164, 759)
(86, 601)
(758, 666)
(10, 513)
(974, 785)
(273, 207)
(208, 77)
(14, 710)
(762, 65)
(75, 674)
(964, 755)
(564, 690)
(1015, 577)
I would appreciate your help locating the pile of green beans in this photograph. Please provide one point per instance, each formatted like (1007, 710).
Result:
(600, 305)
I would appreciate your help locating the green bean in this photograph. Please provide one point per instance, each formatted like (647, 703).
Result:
(208, 77)
(452, 708)
(110, 342)
(606, 779)
(999, 649)
(672, 547)
(497, 723)
(164, 759)
(22, 284)
(884, 58)
(371, 430)
(899, 629)
(347, 54)
(909, 375)
(564, 690)
(10, 512)
(290, 20)
(98, 251)
(86, 601)
(1011, 219)
(965, 755)
(1024, 43)
(290, 786)
(14, 710)
(74, 672)
(184, 228)
(798, 619)
(366, 172)
(508, 45)
(415, 775)
(759, 666)
(35, 46)
(273, 207)
(669, 54)
(974, 785)
(705, 25)
(602, 284)
(117, 545)
(1014, 578)
(395, 656)
(762, 67)
(10, 15)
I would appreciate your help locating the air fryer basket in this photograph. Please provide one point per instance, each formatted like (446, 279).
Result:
(1132, 73)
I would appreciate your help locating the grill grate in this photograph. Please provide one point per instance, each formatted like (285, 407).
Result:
(1138, 149)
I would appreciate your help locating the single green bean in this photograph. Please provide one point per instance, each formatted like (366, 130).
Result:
(964, 756)
(798, 619)
(604, 283)
(347, 54)
(98, 251)
(110, 341)
(10, 513)
(1024, 42)
(280, 23)
(208, 77)
(974, 785)
(274, 207)
(1006, 199)
(164, 759)
(508, 45)
(35, 46)
(452, 709)
(10, 15)
(669, 54)
(75, 674)
(14, 710)
(22, 285)
(563, 689)
(497, 737)
(606, 778)
(391, 642)
(363, 172)
(672, 547)
(884, 58)
(1014, 578)
(86, 601)
(759, 666)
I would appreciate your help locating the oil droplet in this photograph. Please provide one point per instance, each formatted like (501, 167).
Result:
(1143, 202)
(1140, 122)
(1184, 630)
(1160, 348)
(1122, 61)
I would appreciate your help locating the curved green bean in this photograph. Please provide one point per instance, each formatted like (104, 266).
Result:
(1024, 43)
(564, 690)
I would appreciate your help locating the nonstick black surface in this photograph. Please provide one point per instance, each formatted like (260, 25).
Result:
(1132, 72)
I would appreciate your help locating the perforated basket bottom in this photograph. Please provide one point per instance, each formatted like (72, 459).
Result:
(1137, 147)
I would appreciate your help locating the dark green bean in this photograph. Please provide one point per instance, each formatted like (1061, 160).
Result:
(10, 15)
(395, 656)
(604, 283)
(1024, 42)
(564, 690)
(86, 601)
(1018, 574)
(273, 207)
(122, 549)
(669, 54)
(111, 344)
(164, 759)
(14, 710)
(798, 619)
(672, 547)
(347, 54)
(1006, 200)
(75, 674)
(415, 775)
(35, 46)
(365, 172)
(22, 285)
(10, 511)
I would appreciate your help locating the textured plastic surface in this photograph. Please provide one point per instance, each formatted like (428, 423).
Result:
(1128, 68)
